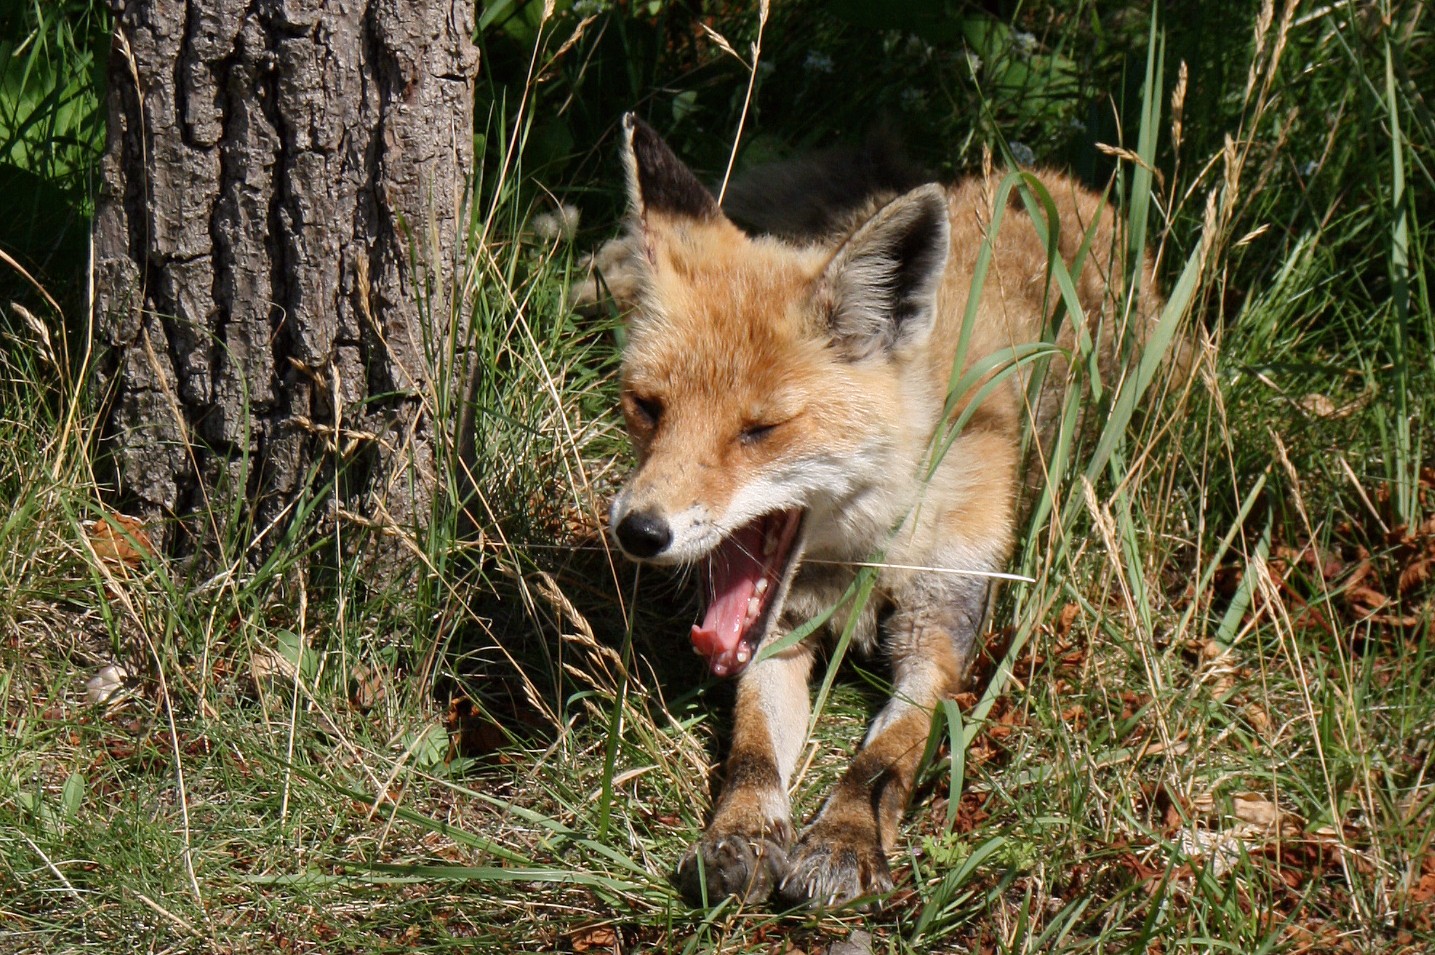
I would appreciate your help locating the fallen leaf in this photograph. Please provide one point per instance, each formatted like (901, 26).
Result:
(1424, 890)
(1065, 619)
(1317, 405)
(594, 938)
(102, 687)
(1366, 599)
(471, 731)
(365, 688)
(858, 943)
(119, 540)
(1258, 810)
(1414, 575)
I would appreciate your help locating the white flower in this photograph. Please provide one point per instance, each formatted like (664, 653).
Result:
(1022, 153)
(818, 62)
(561, 222)
(919, 48)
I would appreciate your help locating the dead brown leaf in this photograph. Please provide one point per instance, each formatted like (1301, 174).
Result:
(119, 540)
(471, 731)
(1260, 811)
(1065, 619)
(365, 688)
(1253, 809)
(1259, 719)
(1424, 889)
(1415, 574)
(595, 938)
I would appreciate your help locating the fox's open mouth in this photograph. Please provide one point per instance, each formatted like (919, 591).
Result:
(746, 577)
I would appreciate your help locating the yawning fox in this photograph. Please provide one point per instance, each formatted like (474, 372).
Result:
(785, 387)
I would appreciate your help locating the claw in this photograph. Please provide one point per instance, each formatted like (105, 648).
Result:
(718, 866)
(832, 869)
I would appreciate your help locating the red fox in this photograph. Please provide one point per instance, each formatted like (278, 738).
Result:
(782, 392)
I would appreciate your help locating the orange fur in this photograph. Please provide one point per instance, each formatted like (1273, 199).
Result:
(766, 377)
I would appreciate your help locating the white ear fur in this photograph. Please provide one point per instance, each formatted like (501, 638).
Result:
(879, 290)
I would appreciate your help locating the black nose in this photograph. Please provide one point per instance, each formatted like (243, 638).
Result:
(644, 534)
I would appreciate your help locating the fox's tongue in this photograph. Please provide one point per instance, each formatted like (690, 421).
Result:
(733, 571)
(744, 575)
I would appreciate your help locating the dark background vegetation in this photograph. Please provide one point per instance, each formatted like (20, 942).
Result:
(1047, 81)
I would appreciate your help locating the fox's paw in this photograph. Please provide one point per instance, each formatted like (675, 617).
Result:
(833, 865)
(724, 864)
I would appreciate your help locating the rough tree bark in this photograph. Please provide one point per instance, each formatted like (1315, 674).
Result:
(274, 244)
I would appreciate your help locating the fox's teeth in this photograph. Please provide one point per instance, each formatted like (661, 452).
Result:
(753, 606)
(743, 653)
(761, 587)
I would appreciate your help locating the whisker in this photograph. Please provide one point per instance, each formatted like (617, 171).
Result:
(935, 570)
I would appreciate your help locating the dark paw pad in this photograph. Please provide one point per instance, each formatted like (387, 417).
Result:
(830, 869)
(749, 867)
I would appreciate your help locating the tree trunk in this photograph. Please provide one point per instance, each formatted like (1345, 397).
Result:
(275, 245)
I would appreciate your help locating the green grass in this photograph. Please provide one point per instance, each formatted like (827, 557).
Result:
(1205, 727)
(51, 135)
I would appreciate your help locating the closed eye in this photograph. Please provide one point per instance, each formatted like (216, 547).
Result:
(754, 433)
(648, 410)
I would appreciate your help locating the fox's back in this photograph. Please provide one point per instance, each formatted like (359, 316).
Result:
(1019, 294)
(820, 201)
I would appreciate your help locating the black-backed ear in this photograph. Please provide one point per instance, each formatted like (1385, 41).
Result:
(658, 181)
(880, 288)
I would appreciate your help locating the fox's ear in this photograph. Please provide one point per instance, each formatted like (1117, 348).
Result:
(658, 182)
(879, 290)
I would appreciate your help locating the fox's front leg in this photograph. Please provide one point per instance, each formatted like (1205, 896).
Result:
(744, 850)
(930, 638)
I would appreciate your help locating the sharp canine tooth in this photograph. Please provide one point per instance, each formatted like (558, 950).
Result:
(761, 587)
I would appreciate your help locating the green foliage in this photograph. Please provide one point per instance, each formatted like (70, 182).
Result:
(52, 62)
